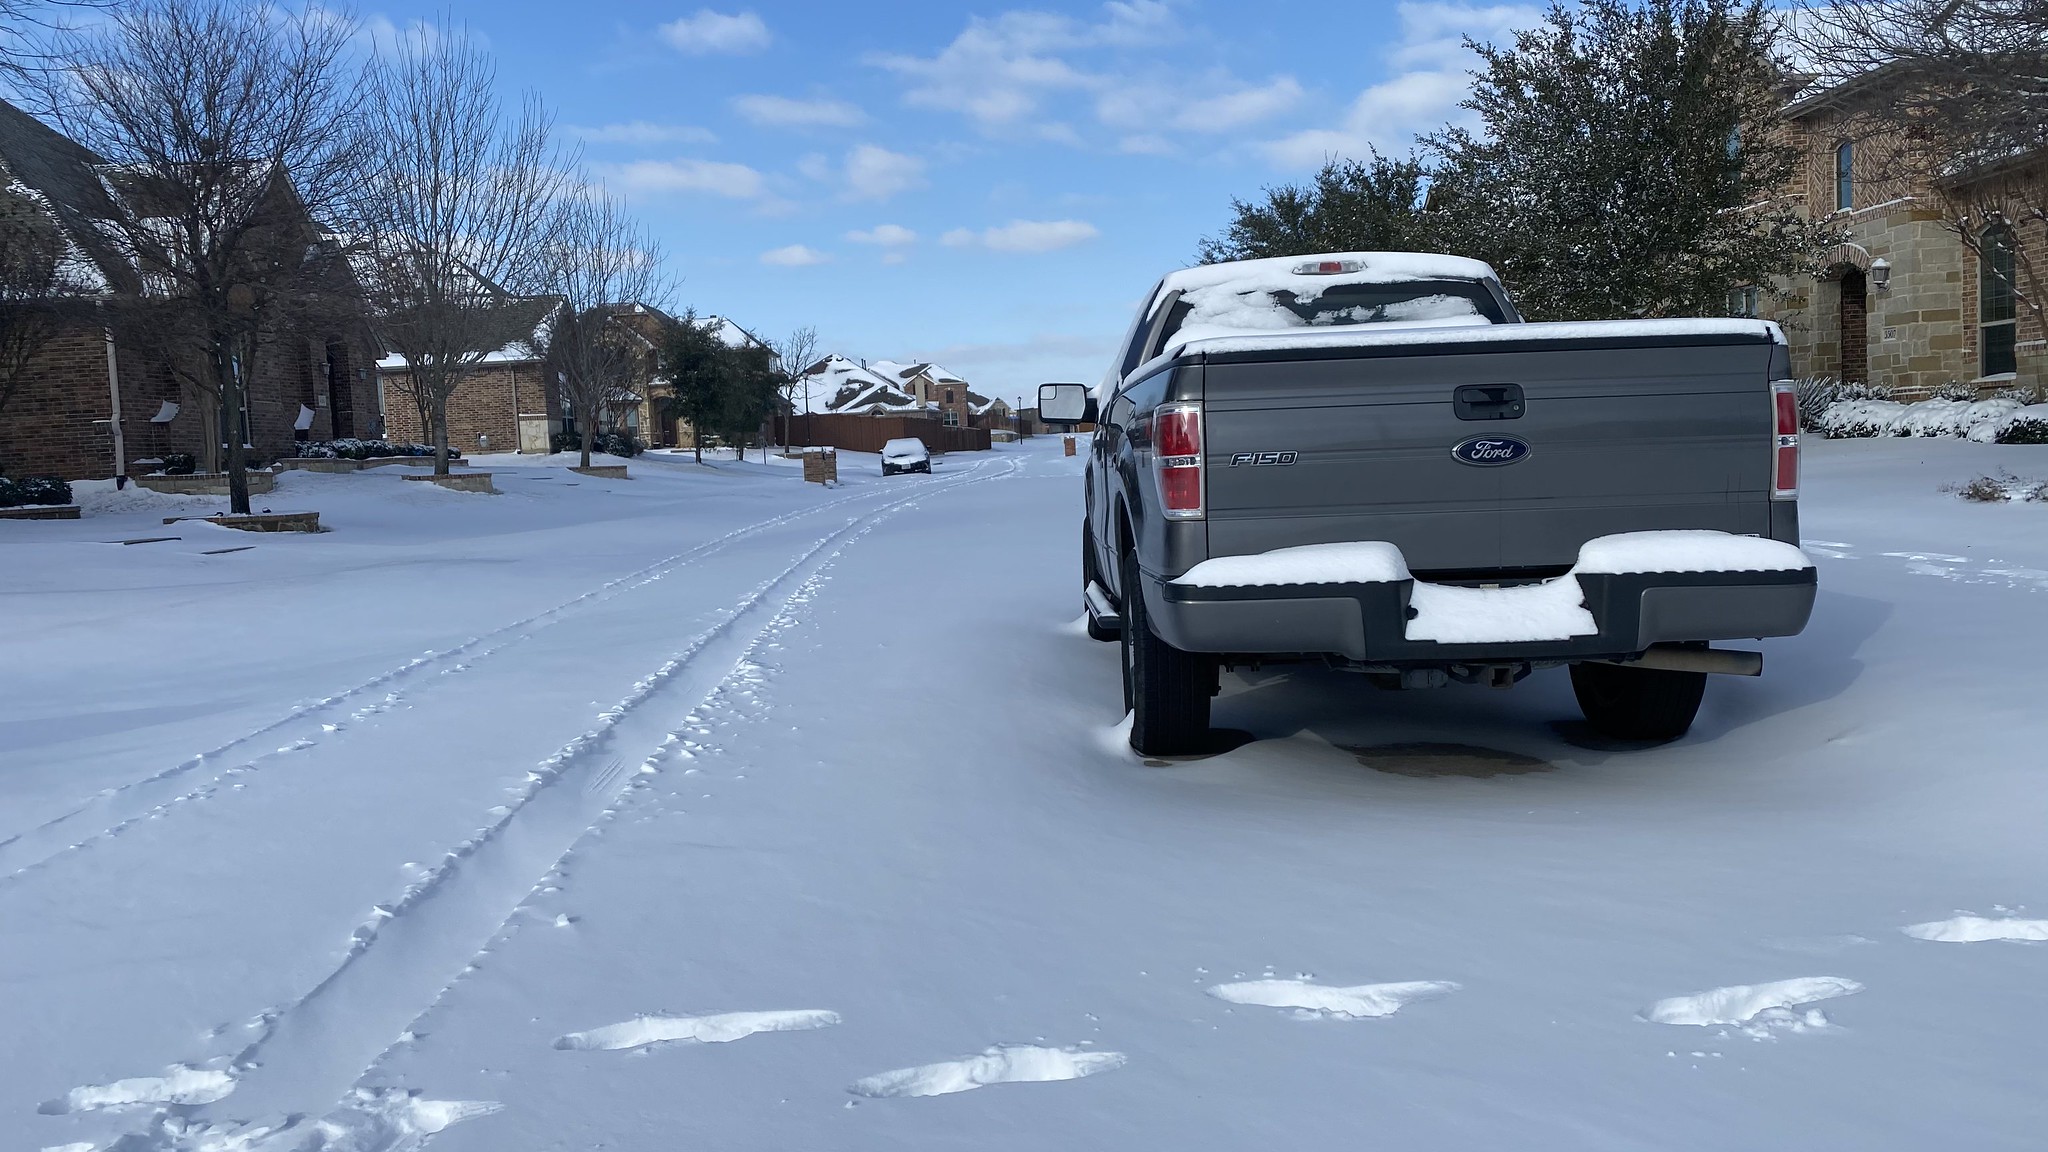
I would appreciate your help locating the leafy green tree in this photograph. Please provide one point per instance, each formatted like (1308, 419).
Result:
(699, 369)
(1374, 205)
(1630, 162)
(752, 386)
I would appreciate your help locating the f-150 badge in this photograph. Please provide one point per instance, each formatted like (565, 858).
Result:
(1490, 451)
(1263, 459)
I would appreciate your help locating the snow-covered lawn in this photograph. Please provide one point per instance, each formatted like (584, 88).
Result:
(708, 809)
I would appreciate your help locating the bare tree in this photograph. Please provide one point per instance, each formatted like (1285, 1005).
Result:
(227, 130)
(602, 263)
(793, 354)
(22, 22)
(1953, 109)
(452, 230)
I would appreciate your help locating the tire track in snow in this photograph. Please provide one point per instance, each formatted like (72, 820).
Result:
(121, 807)
(311, 1052)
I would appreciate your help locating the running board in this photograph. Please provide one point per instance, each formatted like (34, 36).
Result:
(1719, 661)
(1100, 608)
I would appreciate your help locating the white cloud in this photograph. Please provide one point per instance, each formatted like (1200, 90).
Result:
(1241, 108)
(1001, 69)
(877, 174)
(788, 112)
(1145, 144)
(886, 235)
(894, 258)
(1425, 96)
(734, 180)
(794, 256)
(708, 33)
(868, 172)
(1024, 236)
(643, 132)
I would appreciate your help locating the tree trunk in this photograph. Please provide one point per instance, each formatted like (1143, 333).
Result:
(235, 460)
(589, 437)
(697, 441)
(440, 414)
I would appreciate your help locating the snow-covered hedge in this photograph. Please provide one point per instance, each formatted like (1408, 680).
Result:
(2003, 420)
(33, 490)
(353, 449)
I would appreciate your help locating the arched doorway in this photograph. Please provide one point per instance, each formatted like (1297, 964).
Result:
(1855, 326)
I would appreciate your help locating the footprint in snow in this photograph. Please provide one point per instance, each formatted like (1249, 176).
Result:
(1758, 1010)
(642, 1031)
(178, 1085)
(1002, 1064)
(1975, 929)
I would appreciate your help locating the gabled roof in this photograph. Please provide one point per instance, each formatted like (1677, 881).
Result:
(735, 336)
(64, 177)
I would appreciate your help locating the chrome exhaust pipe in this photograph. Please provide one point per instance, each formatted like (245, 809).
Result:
(1716, 661)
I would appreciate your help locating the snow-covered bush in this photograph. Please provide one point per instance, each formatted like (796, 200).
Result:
(2000, 489)
(609, 443)
(350, 448)
(2026, 429)
(2025, 394)
(1849, 419)
(1861, 390)
(1956, 390)
(180, 463)
(33, 490)
(1815, 394)
(1984, 421)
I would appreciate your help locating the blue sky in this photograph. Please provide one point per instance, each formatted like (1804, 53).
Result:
(985, 185)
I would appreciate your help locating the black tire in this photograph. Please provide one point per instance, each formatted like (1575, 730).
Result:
(1166, 690)
(1638, 703)
(1090, 575)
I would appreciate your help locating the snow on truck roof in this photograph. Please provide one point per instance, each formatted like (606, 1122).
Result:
(1393, 335)
(1278, 273)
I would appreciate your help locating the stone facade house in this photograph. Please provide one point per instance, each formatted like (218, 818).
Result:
(1904, 302)
(91, 401)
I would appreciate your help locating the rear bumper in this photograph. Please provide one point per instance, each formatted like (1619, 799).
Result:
(1367, 622)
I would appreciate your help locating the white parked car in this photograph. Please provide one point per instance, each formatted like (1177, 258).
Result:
(905, 455)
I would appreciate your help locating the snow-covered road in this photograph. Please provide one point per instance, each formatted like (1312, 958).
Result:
(701, 810)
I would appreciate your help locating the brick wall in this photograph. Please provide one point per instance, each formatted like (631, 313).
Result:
(490, 402)
(57, 422)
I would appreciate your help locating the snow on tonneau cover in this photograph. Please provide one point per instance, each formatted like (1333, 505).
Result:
(1355, 379)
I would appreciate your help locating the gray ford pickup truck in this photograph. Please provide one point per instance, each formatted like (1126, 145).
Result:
(1369, 461)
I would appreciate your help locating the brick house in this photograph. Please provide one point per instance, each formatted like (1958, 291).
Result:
(507, 404)
(1904, 302)
(90, 404)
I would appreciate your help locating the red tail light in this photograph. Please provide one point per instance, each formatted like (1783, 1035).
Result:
(1785, 442)
(1177, 457)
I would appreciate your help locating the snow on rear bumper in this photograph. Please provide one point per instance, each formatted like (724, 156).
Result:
(1383, 615)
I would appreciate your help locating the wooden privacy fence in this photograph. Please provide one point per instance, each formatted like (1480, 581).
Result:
(869, 433)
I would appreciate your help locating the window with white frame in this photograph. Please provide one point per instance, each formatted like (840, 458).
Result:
(1747, 302)
(1845, 176)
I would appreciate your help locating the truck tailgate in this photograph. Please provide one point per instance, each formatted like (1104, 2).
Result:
(1623, 435)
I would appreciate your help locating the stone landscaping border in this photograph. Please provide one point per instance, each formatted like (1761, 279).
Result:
(607, 471)
(41, 512)
(460, 482)
(206, 483)
(260, 521)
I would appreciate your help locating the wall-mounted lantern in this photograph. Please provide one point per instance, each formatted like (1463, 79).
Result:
(1881, 274)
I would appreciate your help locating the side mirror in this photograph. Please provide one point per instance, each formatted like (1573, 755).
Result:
(1066, 404)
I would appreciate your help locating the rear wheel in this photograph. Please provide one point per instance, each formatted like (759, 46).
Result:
(1638, 703)
(1166, 690)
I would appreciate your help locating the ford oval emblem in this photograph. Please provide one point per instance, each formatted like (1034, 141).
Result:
(1491, 451)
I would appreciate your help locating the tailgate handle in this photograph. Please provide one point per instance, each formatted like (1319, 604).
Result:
(1488, 402)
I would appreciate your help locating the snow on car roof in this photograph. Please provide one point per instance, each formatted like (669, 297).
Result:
(903, 444)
